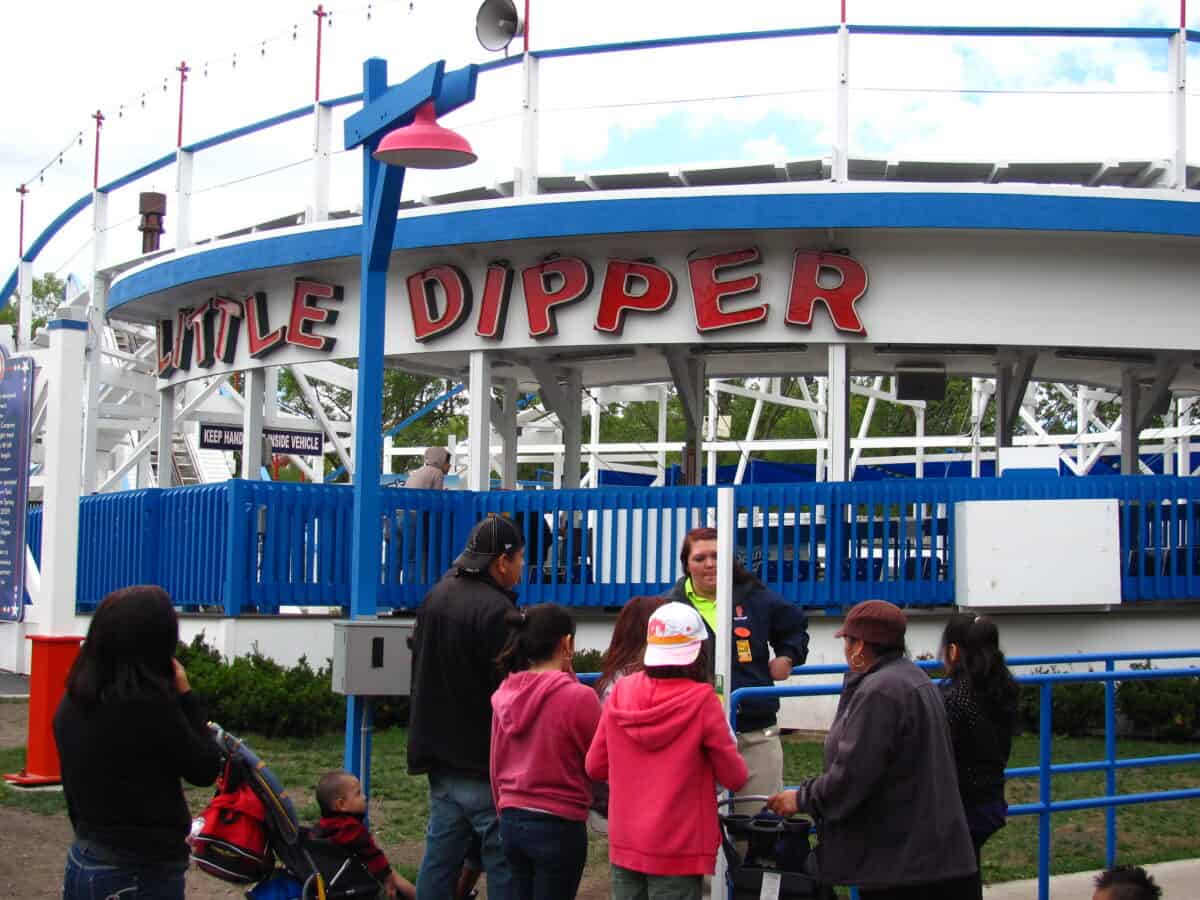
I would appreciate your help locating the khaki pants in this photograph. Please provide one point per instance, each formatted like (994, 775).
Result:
(763, 752)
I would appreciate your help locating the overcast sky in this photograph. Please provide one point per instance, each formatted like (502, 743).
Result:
(913, 98)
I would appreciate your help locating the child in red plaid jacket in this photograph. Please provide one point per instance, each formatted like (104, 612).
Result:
(343, 810)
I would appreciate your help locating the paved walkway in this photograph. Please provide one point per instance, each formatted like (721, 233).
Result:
(1178, 880)
(12, 685)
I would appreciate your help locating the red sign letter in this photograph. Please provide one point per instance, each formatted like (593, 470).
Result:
(260, 340)
(542, 296)
(807, 290)
(306, 313)
(707, 291)
(166, 348)
(493, 308)
(200, 323)
(229, 323)
(423, 301)
(655, 292)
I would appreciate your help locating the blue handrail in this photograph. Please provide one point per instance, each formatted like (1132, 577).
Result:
(1045, 807)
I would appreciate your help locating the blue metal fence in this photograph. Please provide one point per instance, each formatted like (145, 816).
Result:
(1045, 770)
(256, 546)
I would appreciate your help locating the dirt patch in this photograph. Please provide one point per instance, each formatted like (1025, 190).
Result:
(14, 719)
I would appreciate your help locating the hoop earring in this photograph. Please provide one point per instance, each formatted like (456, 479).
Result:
(856, 661)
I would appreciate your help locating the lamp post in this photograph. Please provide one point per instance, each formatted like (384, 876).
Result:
(397, 129)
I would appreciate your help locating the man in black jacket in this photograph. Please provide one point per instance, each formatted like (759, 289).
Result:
(459, 632)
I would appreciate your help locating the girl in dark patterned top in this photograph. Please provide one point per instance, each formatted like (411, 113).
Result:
(981, 706)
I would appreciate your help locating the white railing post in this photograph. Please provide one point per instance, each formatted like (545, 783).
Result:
(254, 384)
(97, 312)
(526, 182)
(841, 147)
(839, 412)
(726, 531)
(183, 198)
(25, 309)
(322, 142)
(166, 436)
(1177, 73)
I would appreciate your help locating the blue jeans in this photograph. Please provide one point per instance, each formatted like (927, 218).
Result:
(92, 874)
(460, 807)
(546, 854)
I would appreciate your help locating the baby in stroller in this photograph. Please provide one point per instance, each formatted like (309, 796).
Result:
(343, 808)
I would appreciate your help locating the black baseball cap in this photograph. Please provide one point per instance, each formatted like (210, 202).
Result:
(489, 538)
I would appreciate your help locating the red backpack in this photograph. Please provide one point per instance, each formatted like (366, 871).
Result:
(232, 844)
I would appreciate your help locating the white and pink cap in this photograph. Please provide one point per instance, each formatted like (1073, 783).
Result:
(674, 636)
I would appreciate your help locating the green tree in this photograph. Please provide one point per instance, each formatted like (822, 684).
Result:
(48, 292)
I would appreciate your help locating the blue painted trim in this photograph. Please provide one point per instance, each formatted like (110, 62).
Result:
(394, 107)
(1006, 212)
(658, 43)
(7, 290)
(150, 168)
(342, 101)
(262, 125)
(504, 63)
(1192, 35)
(1010, 31)
(66, 325)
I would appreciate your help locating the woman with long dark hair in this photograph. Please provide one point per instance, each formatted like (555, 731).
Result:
(981, 706)
(628, 643)
(543, 721)
(128, 729)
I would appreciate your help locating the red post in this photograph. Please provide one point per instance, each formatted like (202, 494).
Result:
(526, 26)
(1182, 15)
(843, 12)
(320, 13)
(99, 117)
(52, 660)
(22, 190)
(182, 69)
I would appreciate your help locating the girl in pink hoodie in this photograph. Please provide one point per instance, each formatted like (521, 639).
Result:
(543, 720)
(663, 745)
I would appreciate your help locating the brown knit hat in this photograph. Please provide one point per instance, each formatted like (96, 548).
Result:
(876, 622)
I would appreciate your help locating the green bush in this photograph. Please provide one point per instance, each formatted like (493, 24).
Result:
(254, 693)
(1076, 708)
(1160, 708)
(588, 660)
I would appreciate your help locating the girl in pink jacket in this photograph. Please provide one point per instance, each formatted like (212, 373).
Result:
(663, 745)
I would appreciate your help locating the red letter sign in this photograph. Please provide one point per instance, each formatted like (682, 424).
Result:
(493, 308)
(807, 291)
(306, 313)
(229, 323)
(260, 340)
(541, 296)
(655, 292)
(200, 323)
(707, 291)
(166, 348)
(423, 301)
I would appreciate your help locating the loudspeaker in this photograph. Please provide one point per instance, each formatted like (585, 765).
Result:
(497, 23)
(921, 383)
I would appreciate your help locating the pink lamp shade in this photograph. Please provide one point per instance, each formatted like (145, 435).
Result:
(425, 145)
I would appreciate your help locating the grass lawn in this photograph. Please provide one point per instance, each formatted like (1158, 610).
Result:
(1148, 833)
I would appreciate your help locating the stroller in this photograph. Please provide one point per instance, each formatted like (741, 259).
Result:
(306, 866)
(776, 862)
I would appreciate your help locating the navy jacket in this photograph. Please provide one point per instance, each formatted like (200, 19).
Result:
(773, 624)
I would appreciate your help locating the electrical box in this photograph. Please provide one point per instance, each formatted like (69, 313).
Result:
(371, 658)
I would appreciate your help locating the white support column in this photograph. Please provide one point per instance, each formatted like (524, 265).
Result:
(506, 425)
(63, 483)
(254, 383)
(25, 310)
(571, 419)
(710, 466)
(664, 398)
(841, 147)
(271, 394)
(322, 144)
(97, 312)
(1130, 390)
(526, 182)
(920, 413)
(594, 454)
(1176, 176)
(839, 412)
(166, 436)
(726, 523)
(1082, 414)
(183, 199)
(1183, 447)
(479, 422)
(822, 430)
